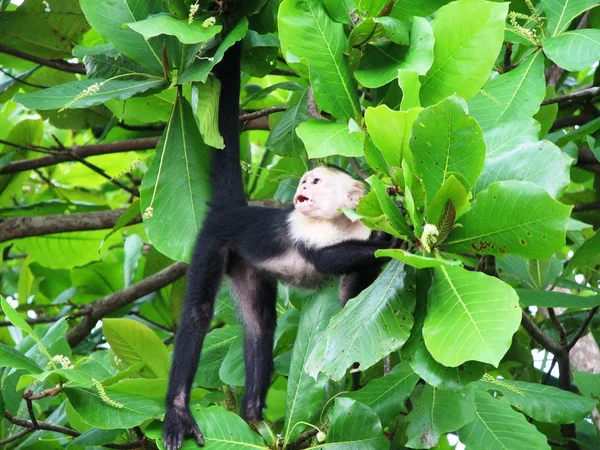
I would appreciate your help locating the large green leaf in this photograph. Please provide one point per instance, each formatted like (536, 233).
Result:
(512, 217)
(387, 395)
(304, 394)
(498, 427)
(446, 141)
(200, 70)
(108, 18)
(45, 32)
(438, 412)
(390, 208)
(587, 255)
(67, 250)
(283, 139)
(540, 402)
(121, 405)
(232, 370)
(390, 131)
(353, 426)
(84, 93)
(560, 13)
(205, 100)
(421, 361)
(10, 357)
(323, 138)
(468, 36)
(507, 136)
(307, 31)
(574, 50)
(133, 342)
(550, 299)
(382, 60)
(470, 317)
(216, 346)
(511, 96)
(542, 163)
(187, 33)
(370, 327)
(179, 170)
(416, 261)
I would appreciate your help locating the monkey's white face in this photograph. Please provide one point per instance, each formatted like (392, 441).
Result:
(323, 191)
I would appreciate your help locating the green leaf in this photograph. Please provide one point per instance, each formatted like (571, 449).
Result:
(587, 255)
(108, 19)
(205, 101)
(382, 60)
(421, 361)
(387, 395)
(10, 357)
(133, 342)
(323, 138)
(200, 70)
(389, 207)
(507, 136)
(110, 64)
(540, 402)
(451, 191)
(283, 139)
(232, 371)
(259, 56)
(186, 33)
(438, 412)
(370, 327)
(445, 141)
(498, 426)
(373, 28)
(512, 217)
(550, 299)
(588, 383)
(307, 31)
(353, 426)
(130, 213)
(390, 131)
(511, 96)
(470, 316)
(130, 409)
(541, 163)
(222, 429)
(468, 38)
(96, 437)
(408, 81)
(304, 394)
(179, 168)
(67, 250)
(84, 93)
(215, 348)
(560, 13)
(416, 261)
(574, 50)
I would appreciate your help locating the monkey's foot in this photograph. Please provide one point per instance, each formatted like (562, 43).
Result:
(179, 423)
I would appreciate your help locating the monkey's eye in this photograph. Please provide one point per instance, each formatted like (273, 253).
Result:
(316, 181)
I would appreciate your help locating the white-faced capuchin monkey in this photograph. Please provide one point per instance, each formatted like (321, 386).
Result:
(256, 247)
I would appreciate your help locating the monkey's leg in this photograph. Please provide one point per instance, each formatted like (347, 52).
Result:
(257, 296)
(354, 283)
(203, 281)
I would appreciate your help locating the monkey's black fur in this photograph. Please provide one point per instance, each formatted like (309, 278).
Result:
(235, 239)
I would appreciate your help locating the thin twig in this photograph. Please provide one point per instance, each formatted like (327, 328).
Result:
(582, 327)
(562, 331)
(582, 94)
(538, 335)
(58, 64)
(546, 376)
(19, 80)
(16, 436)
(263, 112)
(51, 319)
(587, 206)
(50, 392)
(313, 109)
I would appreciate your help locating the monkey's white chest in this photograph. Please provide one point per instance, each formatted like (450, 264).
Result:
(323, 233)
(292, 268)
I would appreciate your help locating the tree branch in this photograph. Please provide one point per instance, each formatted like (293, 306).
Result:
(562, 331)
(20, 227)
(112, 302)
(582, 327)
(49, 319)
(539, 336)
(21, 80)
(588, 206)
(582, 94)
(58, 64)
(302, 438)
(262, 113)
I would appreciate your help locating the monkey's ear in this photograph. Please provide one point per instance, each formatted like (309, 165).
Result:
(357, 190)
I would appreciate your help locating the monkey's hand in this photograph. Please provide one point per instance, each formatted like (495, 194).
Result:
(179, 423)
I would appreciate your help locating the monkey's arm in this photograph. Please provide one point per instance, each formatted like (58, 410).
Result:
(346, 257)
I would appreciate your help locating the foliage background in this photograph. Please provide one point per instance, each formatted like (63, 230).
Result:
(479, 117)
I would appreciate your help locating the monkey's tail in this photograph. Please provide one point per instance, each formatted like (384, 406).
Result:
(226, 174)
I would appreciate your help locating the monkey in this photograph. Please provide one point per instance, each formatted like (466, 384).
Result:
(255, 247)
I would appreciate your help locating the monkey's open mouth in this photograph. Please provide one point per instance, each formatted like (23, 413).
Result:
(301, 199)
